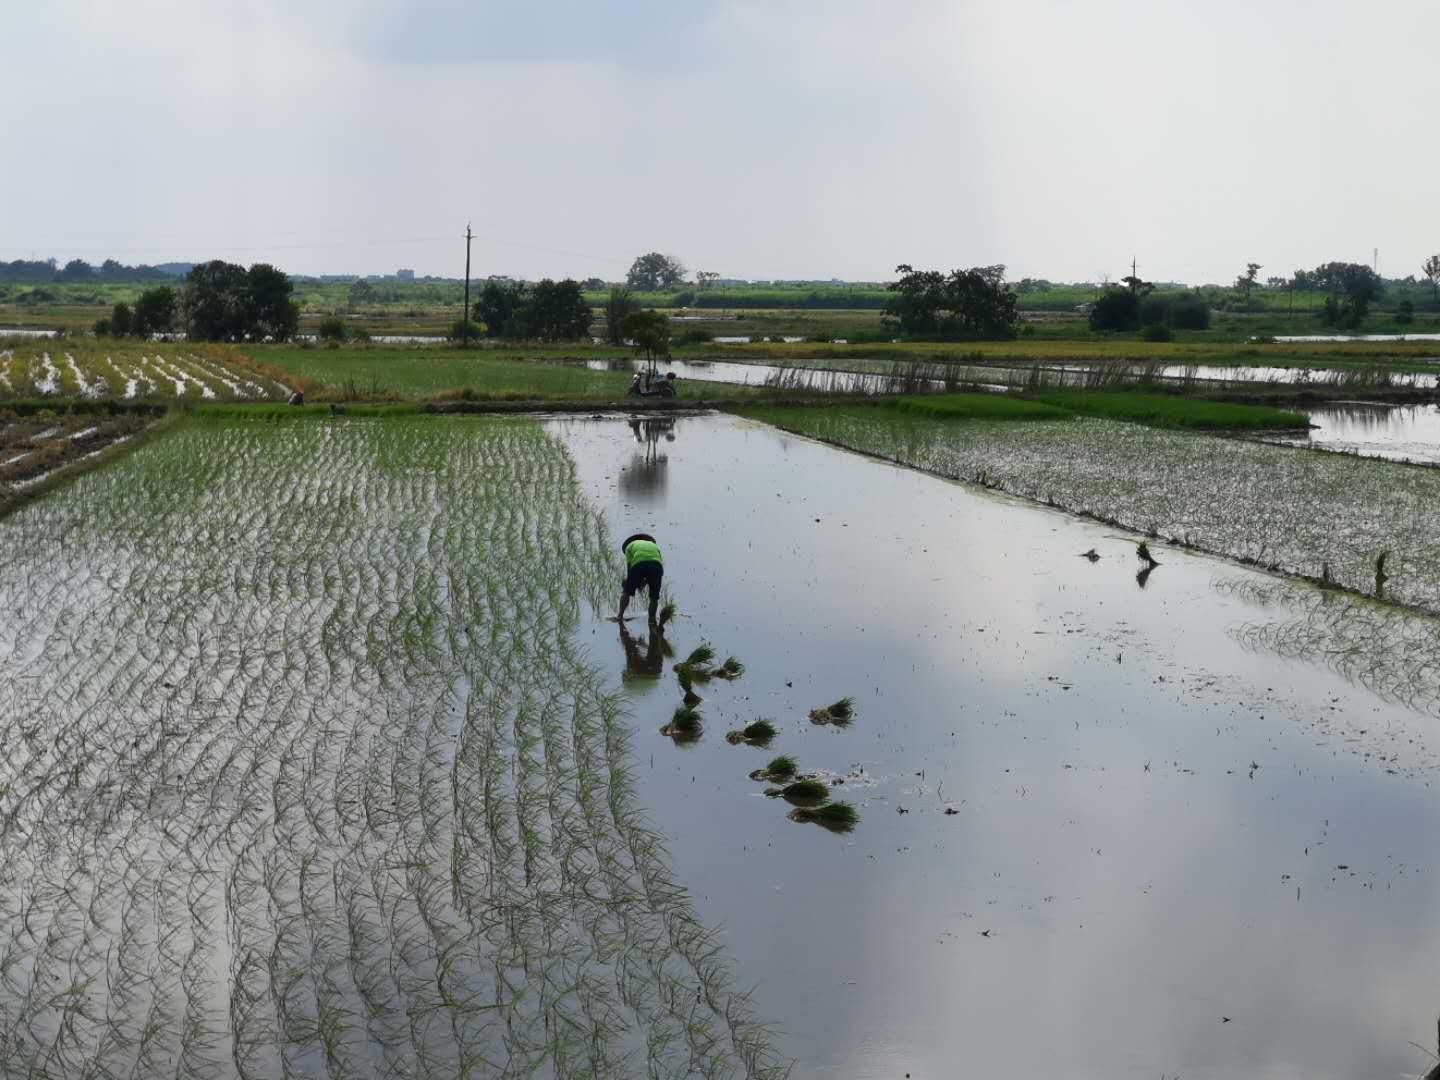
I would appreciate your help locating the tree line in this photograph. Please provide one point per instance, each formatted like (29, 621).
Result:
(219, 301)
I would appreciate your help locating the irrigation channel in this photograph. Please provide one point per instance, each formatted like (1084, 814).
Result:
(322, 759)
(1184, 842)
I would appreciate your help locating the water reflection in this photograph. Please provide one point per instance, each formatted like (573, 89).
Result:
(645, 475)
(1395, 432)
(644, 656)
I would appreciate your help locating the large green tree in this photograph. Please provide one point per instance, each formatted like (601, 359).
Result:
(655, 271)
(154, 312)
(649, 332)
(1431, 268)
(273, 313)
(618, 305)
(226, 302)
(974, 303)
(546, 311)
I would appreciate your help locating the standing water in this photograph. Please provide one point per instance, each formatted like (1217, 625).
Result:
(1098, 834)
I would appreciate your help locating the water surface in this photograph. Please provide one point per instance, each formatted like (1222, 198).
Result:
(1171, 854)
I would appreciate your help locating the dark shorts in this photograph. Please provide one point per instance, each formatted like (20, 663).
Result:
(644, 573)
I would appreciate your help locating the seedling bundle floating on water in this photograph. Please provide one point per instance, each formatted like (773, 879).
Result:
(696, 667)
(839, 714)
(780, 770)
(684, 725)
(730, 669)
(756, 734)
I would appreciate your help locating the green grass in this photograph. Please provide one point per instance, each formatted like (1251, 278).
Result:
(1162, 410)
(426, 372)
(978, 407)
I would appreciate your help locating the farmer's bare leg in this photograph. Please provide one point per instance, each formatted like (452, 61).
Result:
(654, 603)
(624, 603)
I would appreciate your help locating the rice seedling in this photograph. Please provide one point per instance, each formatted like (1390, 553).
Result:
(758, 733)
(667, 612)
(841, 713)
(700, 658)
(835, 816)
(386, 799)
(1142, 552)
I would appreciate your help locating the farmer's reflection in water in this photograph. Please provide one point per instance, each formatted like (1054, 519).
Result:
(645, 475)
(644, 657)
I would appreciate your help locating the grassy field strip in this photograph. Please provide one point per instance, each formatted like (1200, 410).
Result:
(1272, 506)
(307, 777)
(7, 363)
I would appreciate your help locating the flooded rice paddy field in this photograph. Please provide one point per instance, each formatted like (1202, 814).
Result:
(324, 760)
(306, 774)
(1303, 513)
(1192, 829)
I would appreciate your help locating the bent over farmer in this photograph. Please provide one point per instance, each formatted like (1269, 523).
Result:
(643, 569)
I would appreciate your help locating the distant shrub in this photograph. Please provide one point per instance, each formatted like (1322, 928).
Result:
(1404, 312)
(457, 330)
(693, 336)
(332, 329)
(1117, 309)
(1188, 311)
(1155, 332)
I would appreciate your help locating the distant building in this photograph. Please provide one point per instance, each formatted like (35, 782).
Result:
(405, 275)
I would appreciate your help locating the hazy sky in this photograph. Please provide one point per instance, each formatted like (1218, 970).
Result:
(756, 139)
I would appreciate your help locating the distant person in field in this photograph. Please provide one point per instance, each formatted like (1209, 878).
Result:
(297, 397)
(643, 570)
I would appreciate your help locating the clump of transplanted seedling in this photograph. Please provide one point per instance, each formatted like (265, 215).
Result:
(839, 714)
(730, 669)
(1142, 551)
(1380, 576)
(808, 791)
(684, 725)
(780, 770)
(758, 733)
(835, 816)
(667, 612)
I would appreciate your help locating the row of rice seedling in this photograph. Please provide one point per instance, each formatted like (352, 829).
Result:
(306, 773)
(1323, 516)
(138, 372)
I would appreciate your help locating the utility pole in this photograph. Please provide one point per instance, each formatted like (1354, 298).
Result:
(465, 315)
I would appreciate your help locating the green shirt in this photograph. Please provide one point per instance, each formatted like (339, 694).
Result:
(638, 551)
